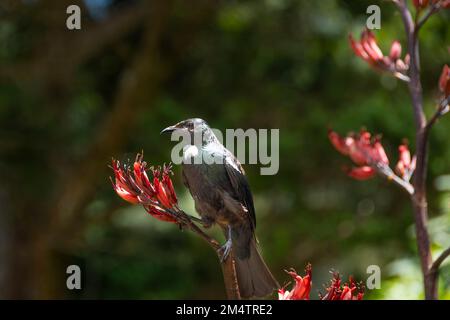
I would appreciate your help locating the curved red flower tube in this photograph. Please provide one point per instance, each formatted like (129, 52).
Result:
(157, 195)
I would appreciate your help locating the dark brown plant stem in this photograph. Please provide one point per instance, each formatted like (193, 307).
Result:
(186, 222)
(434, 270)
(436, 264)
(419, 198)
(230, 278)
(441, 110)
(432, 10)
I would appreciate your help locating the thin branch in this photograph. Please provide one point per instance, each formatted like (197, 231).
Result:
(183, 219)
(186, 221)
(433, 272)
(442, 109)
(419, 198)
(433, 9)
(436, 264)
(401, 76)
(387, 172)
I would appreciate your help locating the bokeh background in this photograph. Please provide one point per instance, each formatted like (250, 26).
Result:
(70, 100)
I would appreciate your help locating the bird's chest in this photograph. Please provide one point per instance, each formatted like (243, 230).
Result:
(203, 169)
(206, 184)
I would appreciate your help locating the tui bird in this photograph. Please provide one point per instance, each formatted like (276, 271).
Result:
(217, 183)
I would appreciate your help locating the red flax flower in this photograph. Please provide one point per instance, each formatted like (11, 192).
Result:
(444, 81)
(367, 153)
(443, 3)
(157, 195)
(335, 291)
(420, 4)
(405, 165)
(301, 288)
(349, 291)
(368, 49)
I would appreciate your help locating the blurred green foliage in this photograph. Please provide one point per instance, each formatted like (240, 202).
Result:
(248, 64)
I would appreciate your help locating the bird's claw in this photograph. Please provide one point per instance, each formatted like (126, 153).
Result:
(225, 250)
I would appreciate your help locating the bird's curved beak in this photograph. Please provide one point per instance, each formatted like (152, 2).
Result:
(168, 129)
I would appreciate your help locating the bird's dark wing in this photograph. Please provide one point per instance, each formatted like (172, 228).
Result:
(184, 179)
(240, 185)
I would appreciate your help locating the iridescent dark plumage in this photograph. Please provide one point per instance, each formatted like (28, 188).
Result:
(222, 195)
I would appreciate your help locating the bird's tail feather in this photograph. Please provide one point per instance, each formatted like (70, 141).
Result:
(253, 275)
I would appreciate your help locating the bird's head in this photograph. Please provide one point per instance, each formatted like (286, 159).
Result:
(194, 125)
(195, 130)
